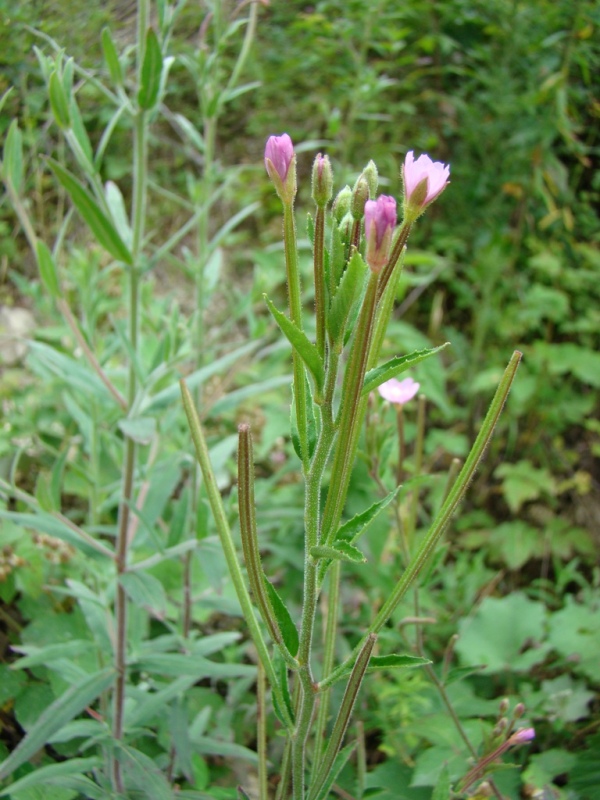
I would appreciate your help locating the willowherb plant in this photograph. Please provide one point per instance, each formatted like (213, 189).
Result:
(355, 280)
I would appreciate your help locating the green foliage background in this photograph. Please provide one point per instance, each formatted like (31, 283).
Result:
(507, 93)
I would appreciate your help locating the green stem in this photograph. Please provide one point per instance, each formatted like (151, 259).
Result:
(341, 723)
(328, 658)
(419, 444)
(140, 169)
(261, 731)
(350, 418)
(443, 518)
(319, 272)
(293, 284)
(224, 532)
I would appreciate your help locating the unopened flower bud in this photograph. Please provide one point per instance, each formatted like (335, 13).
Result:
(504, 705)
(522, 736)
(372, 177)
(322, 181)
(360, 195)
(341, 204)
(519, 710)
(280, 161)
(424, 180)
(380, 221)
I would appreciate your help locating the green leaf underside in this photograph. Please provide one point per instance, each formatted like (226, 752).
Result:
(98, 222)
(395, 366)
(13, 156)
(340, 551)
(300, 343)
(47, 268)
(289, 632)
(355, 527)
(49, 774)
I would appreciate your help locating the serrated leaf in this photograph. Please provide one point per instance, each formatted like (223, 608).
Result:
(98, 222)
(395, 366)
(151, 72)
(340, 551)
(289, 632)
(12, 161)
(69, 705)
(355, 527)
(58, 101)
(52, 773)
(111, 57)
(47, 268)
(345, 296)
(300, 343)
(395, 661)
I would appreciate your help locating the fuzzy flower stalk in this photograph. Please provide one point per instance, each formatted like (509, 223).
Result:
(424, 181)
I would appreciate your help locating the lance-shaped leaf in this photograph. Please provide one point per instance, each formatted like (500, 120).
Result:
(395, 366)
(99, 224)
(345, 296)
(397, 661)
(151, 72)
(355, 527)
(12, 162)
(299, 341)
(61, 711)
(47, 268)
(59, 102)
(111, 57)
(340, 551)
(289, 632)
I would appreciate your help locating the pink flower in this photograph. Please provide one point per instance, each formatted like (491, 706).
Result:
(380, 221)
(522, 735)
(424, 180)
(280, 152)
(399, 392)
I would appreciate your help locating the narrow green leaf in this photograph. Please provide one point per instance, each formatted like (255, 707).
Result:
(52, 772)
(151, 72)
(141, 429)
(12, 163)
(286, 625)
(58, 101)
(395, 661)
(345, 296)
(98, 222)
(84, 153)
(338, 765)
(299, 341)
(310, 228)
(69, 705)
(111, 57)
(143, 775)
(355, 527)
(340, 551)
(395, 366)
(180, 665)
(47, 268)
(5, 97)
(442, 789)
(145, 590)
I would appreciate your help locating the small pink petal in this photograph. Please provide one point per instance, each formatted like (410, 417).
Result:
(424, 168)
(279, 151)
(399, 392)
(522, 735)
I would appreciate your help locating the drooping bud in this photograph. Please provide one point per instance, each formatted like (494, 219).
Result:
(424, 180)
(322, 181)
(341, 204)
(522, 736)
(280, 162)
(380, 220)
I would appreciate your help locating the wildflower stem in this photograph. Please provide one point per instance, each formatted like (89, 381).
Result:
(443, 518)
(319, 279)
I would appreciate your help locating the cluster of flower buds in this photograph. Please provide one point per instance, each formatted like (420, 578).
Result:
(424, 181)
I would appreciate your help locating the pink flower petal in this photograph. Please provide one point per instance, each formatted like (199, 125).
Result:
(399, 392)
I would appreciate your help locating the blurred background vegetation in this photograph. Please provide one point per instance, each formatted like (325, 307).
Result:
(506, 92)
